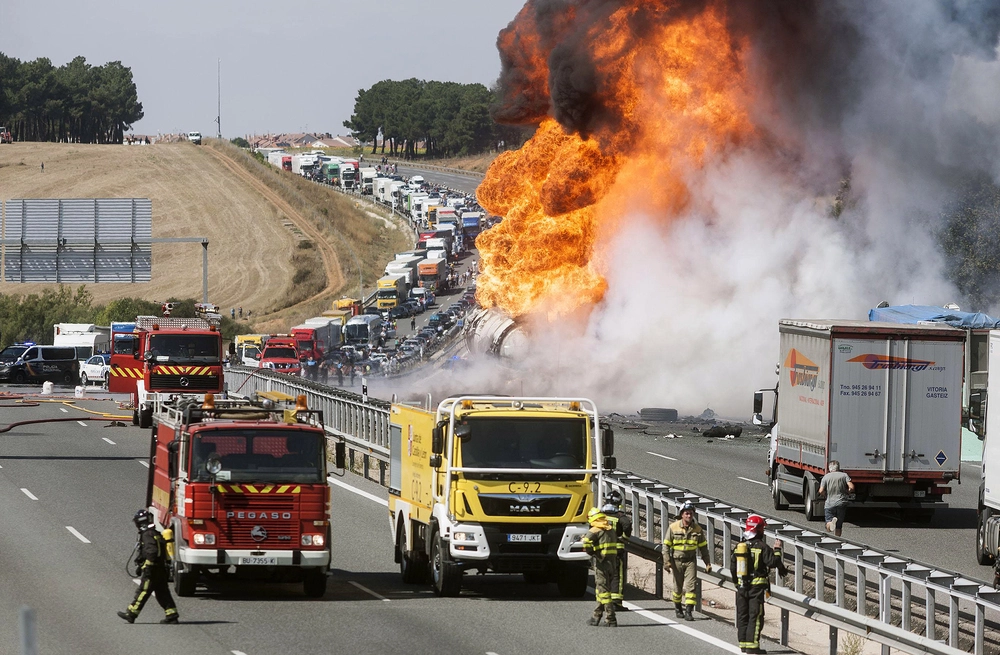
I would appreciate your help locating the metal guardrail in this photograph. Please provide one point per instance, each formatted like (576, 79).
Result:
(842, 584)
(954, 606)
(439, 169)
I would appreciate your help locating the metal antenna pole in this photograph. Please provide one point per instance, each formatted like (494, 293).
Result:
(218, 115)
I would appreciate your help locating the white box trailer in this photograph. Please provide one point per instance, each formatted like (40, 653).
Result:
(87, 338)
(883, 399)
(988, 516)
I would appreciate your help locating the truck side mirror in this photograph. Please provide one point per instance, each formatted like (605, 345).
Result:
(607, 441)
(435, 461)
(610, 463)
(340, 455)
(173, 449)
(758, 403)
(437, 440)
(147, 356)
(463, 431)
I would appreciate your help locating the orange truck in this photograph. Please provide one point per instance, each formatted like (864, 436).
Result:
(164, 356)
(242, 487)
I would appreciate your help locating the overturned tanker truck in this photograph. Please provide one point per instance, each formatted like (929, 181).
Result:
(492, 332)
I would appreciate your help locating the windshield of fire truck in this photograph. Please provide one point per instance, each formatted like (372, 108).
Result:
(258, 455)
(279, 353)
(185, 348)
(524, 443)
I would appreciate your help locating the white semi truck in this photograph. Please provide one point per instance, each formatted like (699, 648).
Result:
(884, 399)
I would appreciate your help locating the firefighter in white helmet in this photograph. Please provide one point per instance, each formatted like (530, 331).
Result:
(751, 564)
(685, 540)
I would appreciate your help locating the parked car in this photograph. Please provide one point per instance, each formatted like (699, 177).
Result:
(400, 311)
(95, 369)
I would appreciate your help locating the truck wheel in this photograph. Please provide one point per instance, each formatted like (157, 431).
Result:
(572, 580)
(145, 417)
(412, 567)
(445, 575)
(780, 502)
(135, 417)
(314, 583)
(809, 492)
(184, 581)
(982, 555)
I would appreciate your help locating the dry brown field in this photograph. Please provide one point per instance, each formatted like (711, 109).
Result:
(255, 233)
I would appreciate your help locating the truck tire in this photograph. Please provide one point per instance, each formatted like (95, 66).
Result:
(982, 555)
(572, 579)
(810, 497)
(777, 497)
(145, 417)
(135, 417)
(412, 566)
(445, 575)
(185, 580)
(314, 583)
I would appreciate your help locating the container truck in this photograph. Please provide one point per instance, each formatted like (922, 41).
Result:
(472, 225)
(391, 290)
(495, 484)
(988, 514)
(87, 338)
(884, 399)
(242, 487)
(433, 274)
(368, 175)
(317, 337)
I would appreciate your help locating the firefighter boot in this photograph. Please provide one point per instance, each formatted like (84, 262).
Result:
(128, 616)
(612, 619)
(679, 610)
(689, 613)
(596, 618)
(172, 618)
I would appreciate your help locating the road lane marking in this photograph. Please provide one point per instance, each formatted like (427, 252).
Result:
(237, 652)
(367, 495)
(76, 534)
(749, 480)
(64, 410)
(82, 423)
(672, 459)
(367, 590)
(697, 634)
(143, 462)
(29, 494)
(109, 441)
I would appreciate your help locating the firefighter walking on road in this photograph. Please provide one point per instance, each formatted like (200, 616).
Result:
(622, 524)
(152, 559)
(751, 564)
(684, 541)
(601, 544)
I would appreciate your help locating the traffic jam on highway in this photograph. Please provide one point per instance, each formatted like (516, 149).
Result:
(238, 488)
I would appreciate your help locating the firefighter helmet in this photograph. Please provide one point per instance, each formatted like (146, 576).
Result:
(687, 507)
(595, 514)
(142, 519)
(615, 498)
(754, 527)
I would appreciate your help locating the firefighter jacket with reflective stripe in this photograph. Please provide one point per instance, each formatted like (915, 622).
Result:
(601, 542)
(153, 549)
(761, 558)
(684, 543)
(622, 525)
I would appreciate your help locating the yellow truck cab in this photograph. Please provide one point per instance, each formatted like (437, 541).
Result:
(496, 484)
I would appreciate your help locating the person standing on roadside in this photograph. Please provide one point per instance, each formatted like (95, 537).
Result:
(622, 524)
(835, 487)
(601, 544)
(152, 561)
(751, 563)
(684, 541)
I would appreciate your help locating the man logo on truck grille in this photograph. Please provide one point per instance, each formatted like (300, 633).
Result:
(872, 361)
(801, 371)
(258, 533)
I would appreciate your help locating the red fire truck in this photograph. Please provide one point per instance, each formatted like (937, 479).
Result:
(243, 487)
(166, 356)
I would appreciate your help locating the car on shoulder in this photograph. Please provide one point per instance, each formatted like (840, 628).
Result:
(95, 369)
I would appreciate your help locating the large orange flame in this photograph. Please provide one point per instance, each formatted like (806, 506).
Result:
(674, 97)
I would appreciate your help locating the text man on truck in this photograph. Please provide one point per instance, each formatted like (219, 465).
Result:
(242, 485)
(496, 484)
(884, 399)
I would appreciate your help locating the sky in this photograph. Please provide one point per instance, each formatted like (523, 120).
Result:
(291, 66)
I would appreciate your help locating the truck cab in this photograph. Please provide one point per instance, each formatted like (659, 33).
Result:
(195, 138)
(496, 484)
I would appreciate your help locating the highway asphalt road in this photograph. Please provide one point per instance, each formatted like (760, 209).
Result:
(457, 181)
(67, 494)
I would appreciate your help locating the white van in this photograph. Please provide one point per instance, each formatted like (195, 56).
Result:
(195, 138)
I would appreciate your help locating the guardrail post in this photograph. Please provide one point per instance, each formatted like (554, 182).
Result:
(659, 578)
(952, 621)
(885, 603)
(799, 552)
(907, 615)
(820, 573)
(29, 637)
(929, 630)
(834, 638)
(839, 567)
(783, 639)
(861, 595)
(980, 629)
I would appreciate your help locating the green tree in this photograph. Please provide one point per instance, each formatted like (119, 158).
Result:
(969, 240)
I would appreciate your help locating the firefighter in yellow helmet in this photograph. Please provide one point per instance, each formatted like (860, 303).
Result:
(684, 541)
(751, 564)
(622, 524)
(601, 543)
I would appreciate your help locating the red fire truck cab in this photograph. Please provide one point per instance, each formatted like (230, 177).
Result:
(243, 486)
(166, 356)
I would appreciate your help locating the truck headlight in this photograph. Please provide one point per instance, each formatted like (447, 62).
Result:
(204, 538)
(313, 539)
(463, 536)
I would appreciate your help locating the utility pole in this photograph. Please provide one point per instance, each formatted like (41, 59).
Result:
(218, 115)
